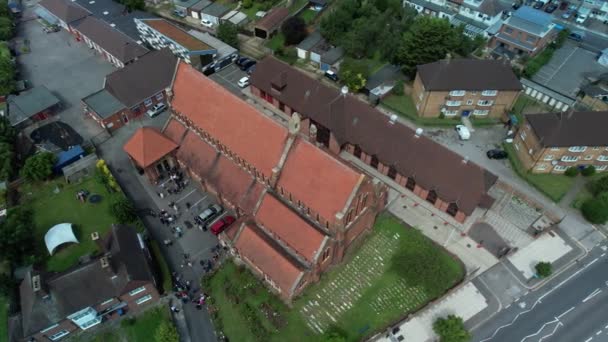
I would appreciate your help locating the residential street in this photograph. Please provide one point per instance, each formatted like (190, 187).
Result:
(568, 308)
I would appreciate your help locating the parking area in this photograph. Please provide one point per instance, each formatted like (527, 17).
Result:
(66, 67)
(568, 69)
(229, 77)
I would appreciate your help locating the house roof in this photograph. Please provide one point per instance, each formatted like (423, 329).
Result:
(103, 103)
(112, 12)
(215, 10)
(175, 131)
(289, 228)
(64, 10)
(177, 35)
(570, 129)
(265, 255)
(318, 2)
(228, 118)
(222, 48)
(333, 55)
(147, 145)
(273, 19)
(530, 20)
(121, 46)
(317, 179)
(28, 103)
(139, 81)
(352, 121)
(185, 3)
(200, 5)
(310, 41)
(87, 284)
(387, 74)
(468, 74)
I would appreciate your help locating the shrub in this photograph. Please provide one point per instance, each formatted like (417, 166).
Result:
(441, 115)
(398, 89)
(571, 172)
(588, 171)
(39, 166)
(595, 210)
(122, 209)
(451, 329)
(543, 269)
(600, 185)
(247, 3)
(127, 322)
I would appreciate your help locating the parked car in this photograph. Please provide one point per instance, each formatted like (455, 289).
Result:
(463, 132)
(242, 61)
(243, 82)
(497, 154)
(179, 13)
(210, 213)
(51, 29)
(568, 14)
(551, 8)
(248, 64)
(206, 23)
(563, 5)
(577, 36)
(538, 5)
(516, 5)
(157, 109)
(331, 75)
(221, 224)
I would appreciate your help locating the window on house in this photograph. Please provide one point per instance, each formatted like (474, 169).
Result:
(541, 167)
(148, 103)
(457, 93)
(469, 102)
(601, 168)
(480, 112)
(143, 299)
(485, 103)
(411, 184)
(596, 148)
(602, 158)
(577, 148)
(159, 96)
(569, 159)
(431, 197)
(554, 148)
(522, 135)
(326, 254)
(548, 157)
(530, 39)
(137, 290)
(489, 92)
(589, 157)
(58, 335)
(508, 30)
(450, 112)
(453, 103)
(452, 209)
(560, 168)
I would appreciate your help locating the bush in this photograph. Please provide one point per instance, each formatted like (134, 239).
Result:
(398, 89)
(451, 329)
(595, 210)
(294, 30)
(441, 115)
(354, 73)
(122, 209)
(247, 3)
(600, 185)
(543, 269)
(228, 33)
(588, 171)
(39, 166)
(166, 332)
(536, 63)
(127, 322)
(571, 172)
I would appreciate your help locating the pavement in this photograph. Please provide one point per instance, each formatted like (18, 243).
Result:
(229, 77)
(570, 307)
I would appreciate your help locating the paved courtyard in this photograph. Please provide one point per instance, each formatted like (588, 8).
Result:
(548, 248)
(69, 69)
(229, 77)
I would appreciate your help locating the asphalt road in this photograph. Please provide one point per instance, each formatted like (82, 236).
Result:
(569, 308)
(591, 40)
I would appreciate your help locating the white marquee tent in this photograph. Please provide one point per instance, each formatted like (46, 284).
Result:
(58, 235)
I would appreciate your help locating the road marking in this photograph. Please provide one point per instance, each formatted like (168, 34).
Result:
(186, 195)
(606, 327)
(591, 263)
(603, 254)
(592, 294)
(599, 332)
(543, 327)
(553, 332)
(506, 325)
(562, 283)
(563, 314)
(589, 339)
(506, 307)
(199, 201)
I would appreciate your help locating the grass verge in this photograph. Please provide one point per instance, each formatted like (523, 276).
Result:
(3, 319)
(551, 185)
(403, 106)
(163, 268)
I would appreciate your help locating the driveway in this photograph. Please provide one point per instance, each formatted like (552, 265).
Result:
(67, 68)
(229, 77)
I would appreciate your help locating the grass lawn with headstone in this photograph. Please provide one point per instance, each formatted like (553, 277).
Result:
(55, 202)
(361, 296)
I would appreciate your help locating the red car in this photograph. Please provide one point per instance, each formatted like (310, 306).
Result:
(221, 224)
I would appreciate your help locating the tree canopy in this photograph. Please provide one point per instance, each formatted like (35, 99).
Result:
(228, 33)
(166, 332)
(39, 167)
(354, 73)
(7, 159)
(122, 209)
(294, 30)
(595, 210)
(133, 5)
(451, 329)
(16, 236)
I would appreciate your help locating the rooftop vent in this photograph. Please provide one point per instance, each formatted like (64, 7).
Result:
(392, 119)
(36, 283)
(419, 132)
(104, 262)
(106, 12)
(113, 25)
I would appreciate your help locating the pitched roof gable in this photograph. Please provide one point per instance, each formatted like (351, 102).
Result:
(64, 10)
(570, 129)
(227, 118)
(148, 145)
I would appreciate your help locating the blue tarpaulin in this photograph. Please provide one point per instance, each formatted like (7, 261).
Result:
(66, 158)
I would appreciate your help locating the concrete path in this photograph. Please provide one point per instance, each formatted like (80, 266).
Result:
(577, 187)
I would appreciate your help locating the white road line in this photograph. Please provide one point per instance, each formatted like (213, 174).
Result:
(562, 283)
(563, 314)
(591, 263)
(553, 332)
(506, 307)
(541, 329)
(186, 195)
(606, 327)
(603, 254)
(599, 332)
(199, 201)
(506, 325)
(589, 339)
(592, 294)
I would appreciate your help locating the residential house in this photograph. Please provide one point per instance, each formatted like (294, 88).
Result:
(299, 208)
(595, 93)
(113, 13)
(340, 123)
(131, 91)
(320, 52)
(61, 12)
(480, 88)
(214, 12)
(553, 142)
(160, 34)
(115, 282)
(270, 24)
(184, 5)
(32, 105)
(527, 32)
(194, 11)
(235, 18)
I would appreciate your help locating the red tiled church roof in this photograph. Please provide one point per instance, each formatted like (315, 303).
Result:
(175, 130)
(289, 227)
(148, 145)
(228, 119)
(317, 179)
(255, 248)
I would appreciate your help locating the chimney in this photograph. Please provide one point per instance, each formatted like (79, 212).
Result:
(313, 133)
(36, 283)
(344, 91)
(105, 262)
(465, 160)
(294, 124)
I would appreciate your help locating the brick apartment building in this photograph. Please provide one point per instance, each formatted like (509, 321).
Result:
(298, 207)
(341, 123)
(129, 92)
(117, 281)
(465, 87)
(527, 32)
(553, 142)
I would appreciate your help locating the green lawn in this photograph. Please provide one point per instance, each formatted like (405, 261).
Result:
(297, 4)
(308, 15)
(551, 185)
(277, 41)
(526, 105)
(377, 294)
(251, 11)
(3, 319)
(142, 328)
(53, 208)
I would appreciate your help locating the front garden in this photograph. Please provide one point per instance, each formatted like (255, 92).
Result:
(395, 272)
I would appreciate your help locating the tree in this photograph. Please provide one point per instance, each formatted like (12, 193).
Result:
(600, 185)
(166, 332)
(6, 28)
(354, 73)
(588, 171)
(571, 171)
(228, 33)
(17, 236)
(7, 131)
(294, 30)
(7, 159)
(334, 334)
(132, 5)
(543, 269)
(451, 329)
(595, 210)
(39, 166)
(122, 209)
(7, 76)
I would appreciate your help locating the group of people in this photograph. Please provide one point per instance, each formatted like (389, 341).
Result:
(185, 293)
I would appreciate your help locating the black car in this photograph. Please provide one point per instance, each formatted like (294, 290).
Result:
(242, 61)
(538, 5)
(551, 8)
(250, 70)
(497, 154)
(331, 75)
(248, 64)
